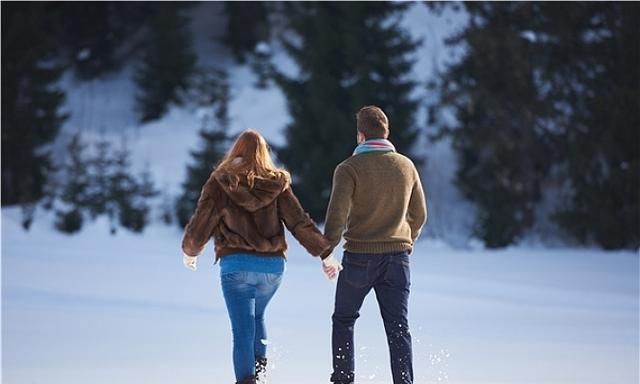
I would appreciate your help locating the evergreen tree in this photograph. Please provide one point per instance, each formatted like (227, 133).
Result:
(167, 64)
(30, 102)
(214, 97)
(74, 197)
(499, 133)
(91, 34)
(101, 184)
(247, 25)
(136, 216)
(129, 196)
(101, 166)
(167, 209)
(261, 65)
(602, 82)
(349, 55)
(28, 213)
(121, 190)
(545, 94)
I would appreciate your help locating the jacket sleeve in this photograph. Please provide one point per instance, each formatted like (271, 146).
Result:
(339, 204)
(198, 232)
(301, 226)
(417, 211)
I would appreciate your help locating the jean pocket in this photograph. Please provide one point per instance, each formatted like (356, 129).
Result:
(274, 278)
(398, 274)
(356, 274)
(404, 261)
(234, 277)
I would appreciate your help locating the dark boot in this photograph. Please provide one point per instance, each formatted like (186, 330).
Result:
(248, 380)
(342, 378)
(261, 370)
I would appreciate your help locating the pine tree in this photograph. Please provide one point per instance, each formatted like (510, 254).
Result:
(261, 65)
(167, 209)
(214, 97)
(602, 81)
(136, 216)
(247, 25)
(349, 55)
(501, 115)
(101, 183)
(91, 35)
(546, 95)
(129, 196)
(101, 166)
(74, 197)
(31, 101)
(167, 64)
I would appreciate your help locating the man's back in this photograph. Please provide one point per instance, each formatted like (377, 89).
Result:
(378, 199)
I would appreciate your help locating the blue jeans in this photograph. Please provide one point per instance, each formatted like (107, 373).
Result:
(247, 293)
(388, 275)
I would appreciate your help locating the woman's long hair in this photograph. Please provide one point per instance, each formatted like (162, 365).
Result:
(249, 158)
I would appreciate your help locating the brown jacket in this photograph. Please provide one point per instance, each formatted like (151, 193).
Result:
(250, 220)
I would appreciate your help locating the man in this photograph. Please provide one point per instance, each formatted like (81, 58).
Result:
(378, 202)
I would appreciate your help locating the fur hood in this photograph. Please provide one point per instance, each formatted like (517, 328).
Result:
(263, 193)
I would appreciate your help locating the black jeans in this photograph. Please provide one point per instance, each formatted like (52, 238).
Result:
(388, 275)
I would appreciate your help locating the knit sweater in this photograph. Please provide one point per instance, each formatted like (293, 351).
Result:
(377, 204)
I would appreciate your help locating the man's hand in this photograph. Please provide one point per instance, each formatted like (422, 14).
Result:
(331, 267)
(190, 262)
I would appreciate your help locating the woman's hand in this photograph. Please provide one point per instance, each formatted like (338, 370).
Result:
(190, 262)
(331, 267)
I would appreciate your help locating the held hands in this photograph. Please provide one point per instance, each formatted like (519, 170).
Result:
(331, 267)
(190, 262)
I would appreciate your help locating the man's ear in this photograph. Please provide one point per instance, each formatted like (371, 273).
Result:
(360, 137)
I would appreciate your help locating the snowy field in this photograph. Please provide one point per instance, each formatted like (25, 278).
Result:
(122, 309)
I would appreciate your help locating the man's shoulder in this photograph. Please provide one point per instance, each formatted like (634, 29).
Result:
(393, 159)
(346, 164)
(403, 159)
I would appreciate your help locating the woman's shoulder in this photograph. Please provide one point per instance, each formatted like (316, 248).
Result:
(213, 185)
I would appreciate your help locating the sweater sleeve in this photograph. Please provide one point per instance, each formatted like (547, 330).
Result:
(417, 212)
(198, 231)
(339, 204)
(301, 225)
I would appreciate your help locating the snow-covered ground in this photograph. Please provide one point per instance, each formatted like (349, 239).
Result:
(96, 308)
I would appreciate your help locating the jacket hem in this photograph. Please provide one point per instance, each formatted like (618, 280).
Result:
(222, 252)
(377, 247)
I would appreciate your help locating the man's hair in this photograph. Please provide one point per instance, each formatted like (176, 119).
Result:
(372, 122)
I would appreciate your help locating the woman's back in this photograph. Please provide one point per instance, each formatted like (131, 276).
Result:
(244, 204)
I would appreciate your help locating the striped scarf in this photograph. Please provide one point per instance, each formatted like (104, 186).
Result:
(374, 145)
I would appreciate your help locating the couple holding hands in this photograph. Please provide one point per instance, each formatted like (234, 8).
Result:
(377, 203)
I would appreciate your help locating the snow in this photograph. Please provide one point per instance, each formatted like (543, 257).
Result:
(529, 36)
(122, 309)
(84, 54)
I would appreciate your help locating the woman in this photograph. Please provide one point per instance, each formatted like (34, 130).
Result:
(243, 206)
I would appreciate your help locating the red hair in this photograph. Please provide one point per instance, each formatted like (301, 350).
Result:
(249, 157)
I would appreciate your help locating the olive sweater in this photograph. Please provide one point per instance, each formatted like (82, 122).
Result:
(377, 203)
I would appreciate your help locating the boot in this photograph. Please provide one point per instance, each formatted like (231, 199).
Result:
(261, 370)
(248, 380)
(342, 378)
